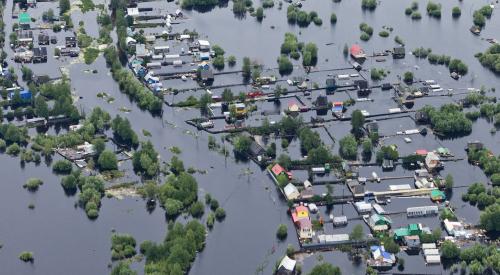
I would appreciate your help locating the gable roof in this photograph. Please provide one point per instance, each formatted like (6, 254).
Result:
(277, 169)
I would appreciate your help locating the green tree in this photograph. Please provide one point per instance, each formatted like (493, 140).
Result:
(325, 269)
(449, 182)
(408, 77)
(64, 6)
(282, 232)
(348, 147)
(357, 233)
(449, 250)
(122, 268)
(107, 161)
(357, 122)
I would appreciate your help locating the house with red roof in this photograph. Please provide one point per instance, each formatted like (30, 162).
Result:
(357, 52)
(278, 170)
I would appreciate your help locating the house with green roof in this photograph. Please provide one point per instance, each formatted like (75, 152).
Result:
(410, 230)
(438, 195)
(24, 20)
(379, 223)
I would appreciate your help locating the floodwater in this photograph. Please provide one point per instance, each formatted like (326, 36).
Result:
(64, 241)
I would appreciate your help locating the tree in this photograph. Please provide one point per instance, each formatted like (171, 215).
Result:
(99, 146)
(122, 268)
(348, 147)
(246, 68)
(325, 269)
(285, 67)
(357, 122)
(227, 95)
(357, 233)
(123, 133)
(490, 218)
(176, 165)
(242, 145)
(449, 250)
(408, 77)
(259, 13)
(62, 166)
(284, 161)
(457, 66)
(319, 155)
(333, 18)
(456, 12)
(64, 6)
(449, 182)
(107, 161)
(282, 232)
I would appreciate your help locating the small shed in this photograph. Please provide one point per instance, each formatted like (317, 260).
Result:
(43, 39)
(291, 192)
(339, 221)
(412, 242)
(363, 207)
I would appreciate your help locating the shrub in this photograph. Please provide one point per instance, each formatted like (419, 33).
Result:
(456, 12)
(333, 18)
(62, 166)
(408, 77)
(383, 34)
(220, 214)
(26, 256)
(369, 4)
(122, 246)
(32, 184)
(282, 232)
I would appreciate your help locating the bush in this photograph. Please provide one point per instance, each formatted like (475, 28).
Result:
(456, 12)
(282, 232)
(13, 149)
(26, 256)
(333, 18)
(408, 77)
(218, 62)
(62, 166)
(348, 147)
(457, 66)
(107, 161)
(90, 55)
(210, 220)
(433, 9)
(284, 65)
(383, 34)
(220, 214)
(450, 250)
(197, 209)
(364, 36)
(416, 15)
(32, 184)
(369, 4)
(122, 246)
(478, 19)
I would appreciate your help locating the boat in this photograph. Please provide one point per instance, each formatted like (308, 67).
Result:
(357, 52)
(475, 30)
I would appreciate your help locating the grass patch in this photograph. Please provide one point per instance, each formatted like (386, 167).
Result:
(90, 55)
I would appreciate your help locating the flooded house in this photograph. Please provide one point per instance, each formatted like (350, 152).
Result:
(412, 242)
(286, 266)
(438, 195)
(331, 84)
(357, 52)
(70, 41)
(432, 162)
(24, 37)
(363, 207)
(39, 54)
(410, 230)
(422, 211)
(25, 95)
(291, 192)
(379, 223)
(398, 52)
(278, 170)
(43, 39)
(380, 258)
(362, 86)
(339, 221)
(24, 21)
(301, 219)
(203, 45)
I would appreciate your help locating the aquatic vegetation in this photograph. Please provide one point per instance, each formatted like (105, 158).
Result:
(62, 166)
(26, 256)
(282, 232)
(32, 184)
(122, 246)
